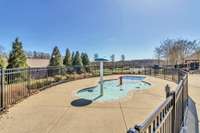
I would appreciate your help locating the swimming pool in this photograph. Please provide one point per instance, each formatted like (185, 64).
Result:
(112, 89)
(136, 78)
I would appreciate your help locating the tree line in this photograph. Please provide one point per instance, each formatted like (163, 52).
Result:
(37, 55)
(175, 51)
(172, 51)
(17, 57)
(70, 59)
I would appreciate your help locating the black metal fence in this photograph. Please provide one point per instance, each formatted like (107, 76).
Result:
(20, 83)
(169, 116)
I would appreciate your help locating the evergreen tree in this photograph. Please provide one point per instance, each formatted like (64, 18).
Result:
(56, 59)
(2, 56)
(67, 61)
(73, 57)
(77, 59)
(85, 59)
(17, 57)
(2, 62)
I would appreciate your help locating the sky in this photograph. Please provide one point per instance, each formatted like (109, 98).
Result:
(130, 27)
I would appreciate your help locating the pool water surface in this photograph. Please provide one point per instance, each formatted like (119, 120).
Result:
(112, 90)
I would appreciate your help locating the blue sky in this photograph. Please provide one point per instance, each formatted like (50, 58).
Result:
(130, 27)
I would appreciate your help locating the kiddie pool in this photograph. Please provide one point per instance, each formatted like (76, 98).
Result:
(112, 90)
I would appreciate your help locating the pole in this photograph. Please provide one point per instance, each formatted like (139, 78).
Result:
(2, 89)
(29, 81)
(120, 78)
(101, 77)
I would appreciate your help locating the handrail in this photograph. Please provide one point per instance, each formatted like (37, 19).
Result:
(172, 117)
(26, 79)
(154, 114)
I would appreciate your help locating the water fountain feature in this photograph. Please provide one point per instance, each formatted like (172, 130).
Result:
(101, 60)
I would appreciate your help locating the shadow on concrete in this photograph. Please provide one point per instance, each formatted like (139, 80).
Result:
(81, 102)
(191, 118)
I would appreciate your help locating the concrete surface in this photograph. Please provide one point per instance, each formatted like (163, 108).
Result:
(50, 111)
(194, 91)
(191, 118)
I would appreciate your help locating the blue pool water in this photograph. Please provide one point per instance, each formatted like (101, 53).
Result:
(112, 90)
(135, 78)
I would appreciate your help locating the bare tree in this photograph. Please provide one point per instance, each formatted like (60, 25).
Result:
(158, 53)
(175, 51)
(112, 57)
(197, 53)
(37, 55)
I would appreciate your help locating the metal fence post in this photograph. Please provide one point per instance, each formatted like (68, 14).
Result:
(167, 91)
(47, 74)
(173, 94)
(2, 88)
(150, 71)
(179, 76)
(183, 101)
(29, 81)
(187, 89)
(164, 73)
(173, 112)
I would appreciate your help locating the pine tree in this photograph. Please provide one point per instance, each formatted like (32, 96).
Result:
(67, 61)
(73, 57)
(17, 57)
(85, 59)
(77, 59)
(56, 59)
(2, 62)
(2, 56)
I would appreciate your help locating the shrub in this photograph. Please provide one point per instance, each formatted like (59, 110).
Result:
(58, 78)
(38, 84)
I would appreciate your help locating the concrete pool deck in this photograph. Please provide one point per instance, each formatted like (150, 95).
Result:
(50, 111)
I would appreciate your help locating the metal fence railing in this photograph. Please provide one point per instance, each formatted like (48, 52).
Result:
(20, 83)
(169, 116)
